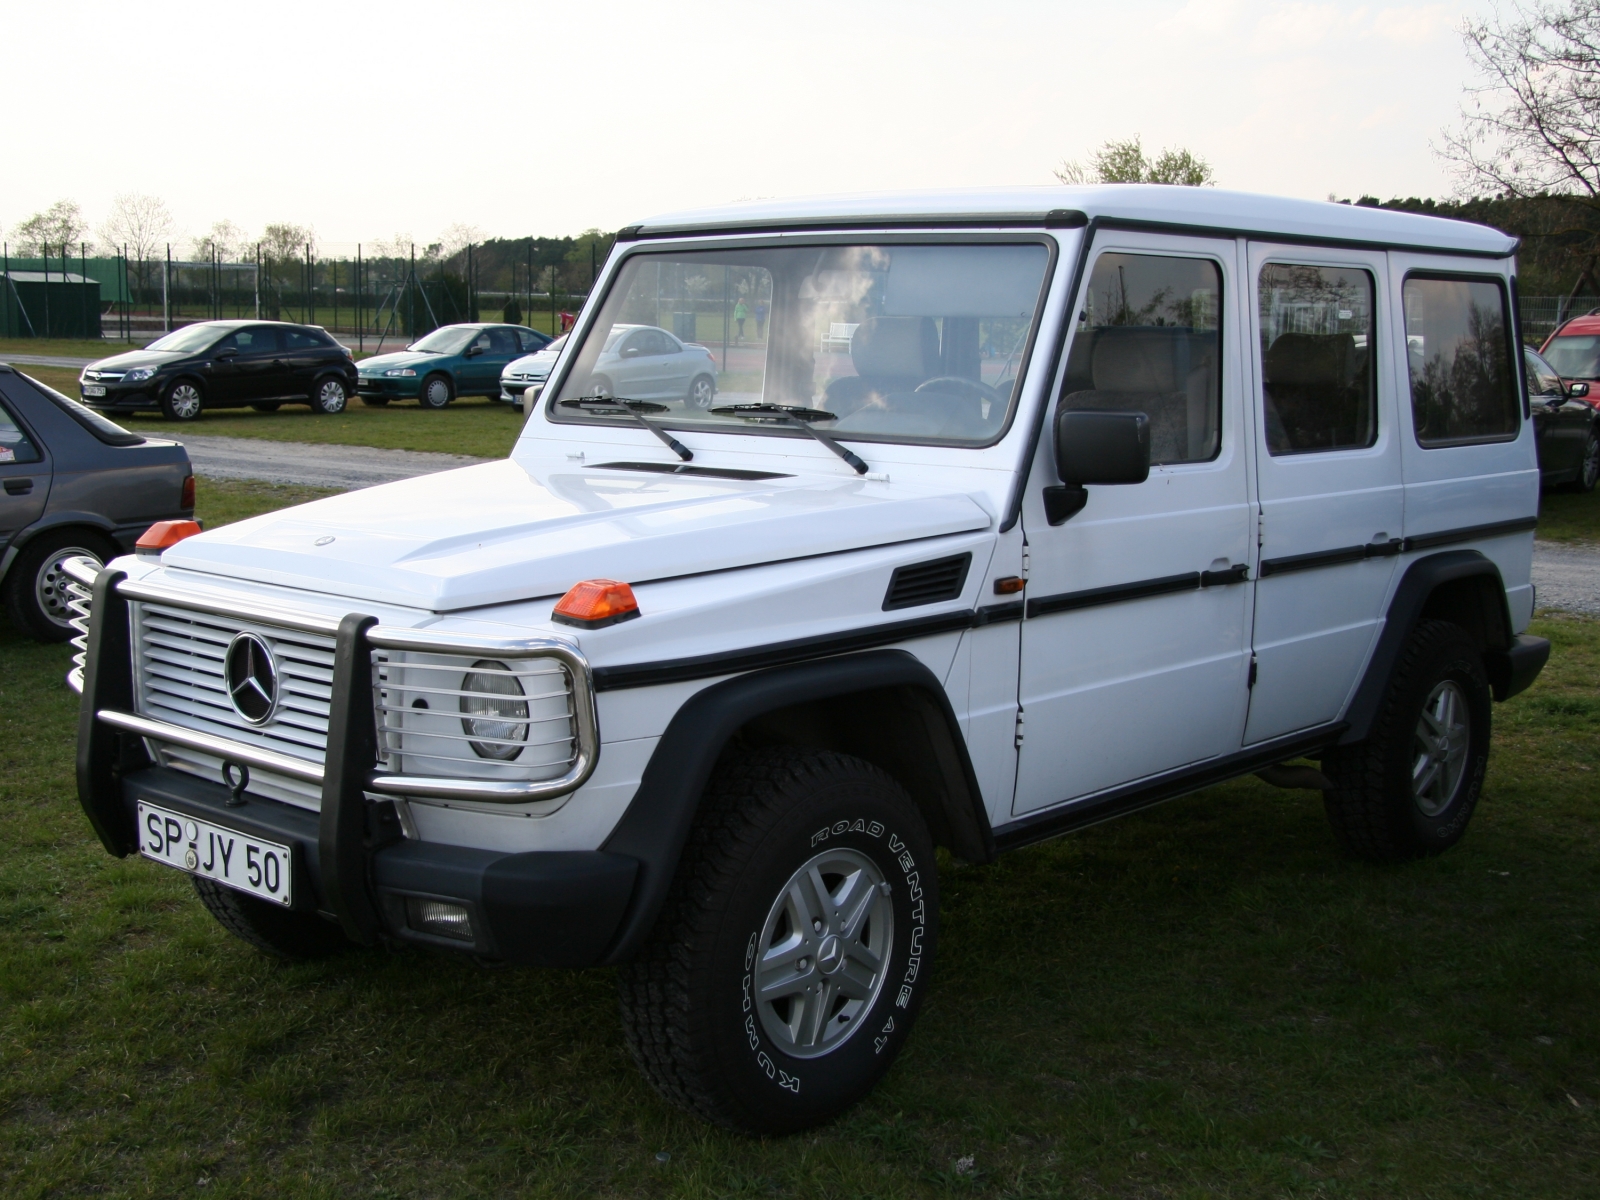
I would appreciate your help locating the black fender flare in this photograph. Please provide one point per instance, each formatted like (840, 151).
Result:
(656, 824)
(1421, 579)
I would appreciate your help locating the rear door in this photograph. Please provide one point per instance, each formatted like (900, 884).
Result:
(1328, 479)
(24, 475)
(306, 353)
(1560, 424)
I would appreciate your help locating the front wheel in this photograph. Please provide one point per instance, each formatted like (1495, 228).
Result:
(792, 953)
(293, 936)
(1411, 787)
(329, 398)
(182, 401)
(436, 392)
(702, 392)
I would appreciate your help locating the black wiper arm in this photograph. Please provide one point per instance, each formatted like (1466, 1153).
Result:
(796, 418)
(634, 409)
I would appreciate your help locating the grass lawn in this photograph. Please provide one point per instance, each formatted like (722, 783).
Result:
(1204, 1000)
(1566, 517)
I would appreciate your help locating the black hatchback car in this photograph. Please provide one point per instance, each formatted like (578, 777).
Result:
(225, 364)
(73, 484)
(1566, 426)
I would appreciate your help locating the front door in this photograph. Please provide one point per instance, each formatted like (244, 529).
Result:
(263, 369)
(1328, 477)
(1135, 645)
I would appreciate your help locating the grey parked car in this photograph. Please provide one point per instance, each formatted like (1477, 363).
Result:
(645, 362)
(73, 483)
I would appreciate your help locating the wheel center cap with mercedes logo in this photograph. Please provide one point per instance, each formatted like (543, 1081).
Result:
(251, 674)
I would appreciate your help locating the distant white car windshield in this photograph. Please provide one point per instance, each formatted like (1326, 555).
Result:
(897, 342)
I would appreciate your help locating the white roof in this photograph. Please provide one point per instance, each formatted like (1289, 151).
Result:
(1203, 207)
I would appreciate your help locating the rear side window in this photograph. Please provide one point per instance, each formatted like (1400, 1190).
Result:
(14, 444)
(1458, 350)
(1318, 375)
(529, 341)
(304, 339)
(1148, 342)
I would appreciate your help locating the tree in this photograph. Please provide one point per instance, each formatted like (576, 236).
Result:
(138, 222)
(1126, 162)
(61, 224)
(225, 239)
(286, 240)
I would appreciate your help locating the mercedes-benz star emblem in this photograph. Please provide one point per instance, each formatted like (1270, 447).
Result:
(252, 678)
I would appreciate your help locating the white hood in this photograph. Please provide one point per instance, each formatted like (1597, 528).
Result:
(498, 533)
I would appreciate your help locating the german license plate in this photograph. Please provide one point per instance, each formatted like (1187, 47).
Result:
(94, 389)
(249, 864)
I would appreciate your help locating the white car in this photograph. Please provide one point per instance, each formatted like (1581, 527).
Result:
(645, 362)
(529, 371)
(1117, 493)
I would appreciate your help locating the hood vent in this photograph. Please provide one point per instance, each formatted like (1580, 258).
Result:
(927, 583)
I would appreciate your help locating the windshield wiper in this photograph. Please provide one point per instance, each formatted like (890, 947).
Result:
(632, 408)
(795, 417)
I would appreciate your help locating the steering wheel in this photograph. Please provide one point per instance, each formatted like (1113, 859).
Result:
(970, 387)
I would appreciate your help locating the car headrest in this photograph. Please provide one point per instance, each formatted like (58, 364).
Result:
(1137, 361)
(1306, 358)
(904, 347)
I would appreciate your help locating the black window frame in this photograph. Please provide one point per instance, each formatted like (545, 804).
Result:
(1513, 357)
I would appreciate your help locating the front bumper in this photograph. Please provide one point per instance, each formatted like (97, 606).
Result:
(400, 388)
(552, 909)
(121, 397)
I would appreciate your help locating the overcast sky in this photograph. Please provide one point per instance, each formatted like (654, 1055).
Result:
(368, 121)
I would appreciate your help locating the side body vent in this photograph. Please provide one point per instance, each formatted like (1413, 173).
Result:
(927, 583)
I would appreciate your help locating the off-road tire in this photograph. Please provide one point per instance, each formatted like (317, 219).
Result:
(436, 392)
(1372, 806)
(687, 1007)
(183, 400)
(35, 599)
(284, 934)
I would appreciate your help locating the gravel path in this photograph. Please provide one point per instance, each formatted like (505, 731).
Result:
(345, 467)
(1567, 576)
(50, 360)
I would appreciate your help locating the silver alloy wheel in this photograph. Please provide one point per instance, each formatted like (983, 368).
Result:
(50, 585)
(184, 400)
(331, 396)
(1591, 463)
(701, 393)
(1444, 735)
(436, 392)
(824, 953)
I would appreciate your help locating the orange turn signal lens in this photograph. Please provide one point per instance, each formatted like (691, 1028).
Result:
(596, 603)
(1009, 586)
(163, 534)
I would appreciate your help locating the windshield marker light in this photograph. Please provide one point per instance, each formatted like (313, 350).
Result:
(596, 603)
(165, 534)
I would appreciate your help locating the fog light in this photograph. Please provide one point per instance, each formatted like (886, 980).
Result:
(439, 917)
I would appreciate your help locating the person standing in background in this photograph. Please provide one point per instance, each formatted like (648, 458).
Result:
(740, 313)
(761, 320)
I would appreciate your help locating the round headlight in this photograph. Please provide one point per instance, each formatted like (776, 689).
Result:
(491, 712)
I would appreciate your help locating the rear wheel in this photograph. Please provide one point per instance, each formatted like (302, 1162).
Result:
(599, 386)
(702, 392)
(1589, 471)
(268, 927)
(436, 392)
(789, 961)
(330, 397)
(182, 401)
(35, 587)
(1411, 787)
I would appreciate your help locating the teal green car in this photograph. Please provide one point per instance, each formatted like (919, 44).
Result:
(453, 360)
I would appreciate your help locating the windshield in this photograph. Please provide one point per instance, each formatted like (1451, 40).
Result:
(893, 342)
(556, 346)
(451, 339)
(190, 337)
(1577, 356)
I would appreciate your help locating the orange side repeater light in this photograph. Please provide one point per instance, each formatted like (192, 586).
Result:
(163, 534)
(596, 603)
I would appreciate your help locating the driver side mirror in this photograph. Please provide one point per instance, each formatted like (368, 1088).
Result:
(474, 351)
(1095, 447)
(1577, 389)
(228, 352)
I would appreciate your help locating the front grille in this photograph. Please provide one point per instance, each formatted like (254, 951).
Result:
(179, 679)
(927, 583)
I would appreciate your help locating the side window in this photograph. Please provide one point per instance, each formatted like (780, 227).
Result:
(530, 341)
(1458, 349)
(1318, 369)
(504, 341)
(259, 339)
(1542, 380)
(481, 342)
(300, 339)
(14, 444)
(1148, 342)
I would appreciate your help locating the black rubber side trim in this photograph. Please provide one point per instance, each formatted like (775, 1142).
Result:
(992, 614)
(731, 662)
(352, 754)
(104, 754)
(657, 822)
(1189, 581)
(1470, 533)
(1146, 793)
(1411, 595)
(1317, 558)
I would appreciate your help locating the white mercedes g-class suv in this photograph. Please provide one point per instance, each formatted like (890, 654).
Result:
(1021, 510)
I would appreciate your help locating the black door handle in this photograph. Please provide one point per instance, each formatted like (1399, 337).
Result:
(18, 487)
